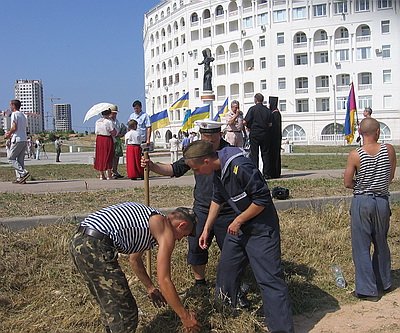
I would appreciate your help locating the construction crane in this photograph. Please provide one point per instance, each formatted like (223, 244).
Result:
(51, 115)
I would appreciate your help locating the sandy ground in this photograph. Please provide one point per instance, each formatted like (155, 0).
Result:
(361, 317)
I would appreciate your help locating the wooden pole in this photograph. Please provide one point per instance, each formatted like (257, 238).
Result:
(147, 201)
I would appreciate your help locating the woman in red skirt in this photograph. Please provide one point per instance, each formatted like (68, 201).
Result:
(104, 155)
(133, 151)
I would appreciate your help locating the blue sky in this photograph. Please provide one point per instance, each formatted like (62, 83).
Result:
(84, 51)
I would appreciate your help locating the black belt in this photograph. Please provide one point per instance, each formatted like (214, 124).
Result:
(95, 234)
(373, 195)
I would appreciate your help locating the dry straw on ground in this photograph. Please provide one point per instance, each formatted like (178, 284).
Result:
(40, 291)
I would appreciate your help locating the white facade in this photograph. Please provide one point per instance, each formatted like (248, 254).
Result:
(306, 52)
(62, 117)
(30, 93)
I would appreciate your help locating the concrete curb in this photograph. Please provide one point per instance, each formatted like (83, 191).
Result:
(20, 223)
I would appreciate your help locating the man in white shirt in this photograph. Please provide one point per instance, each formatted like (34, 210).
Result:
(174, 147)
(17, 134)
(143, 120)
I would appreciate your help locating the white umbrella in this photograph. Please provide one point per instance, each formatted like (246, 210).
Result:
(97, 109)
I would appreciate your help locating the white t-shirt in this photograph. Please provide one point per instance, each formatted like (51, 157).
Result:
(104, 126)
(133, 137)
(174, 142)
(20, 119)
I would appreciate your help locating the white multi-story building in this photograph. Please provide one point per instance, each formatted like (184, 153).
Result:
(30, 93)
(306, 52)
(62, 117)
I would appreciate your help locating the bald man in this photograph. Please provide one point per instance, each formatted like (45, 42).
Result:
(369, 171)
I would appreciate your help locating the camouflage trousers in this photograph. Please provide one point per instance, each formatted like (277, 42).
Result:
(98, 264)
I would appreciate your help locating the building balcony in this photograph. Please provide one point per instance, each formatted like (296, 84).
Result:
(220, 56)
(234, 54)
(299, 45)
(219, 17)
(361, 39)
(343, 88)
(321, 42)
(364, 86)
(248, 94)
(301, 90)
(207, 20)
(247, 10)
(233, 13)
(341, 40)
(194, 23)
(248, 52)
(322, 89)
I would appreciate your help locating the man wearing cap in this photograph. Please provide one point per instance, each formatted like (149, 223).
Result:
(253, 234)
(118, 151)
(211, 132)
(130, 228)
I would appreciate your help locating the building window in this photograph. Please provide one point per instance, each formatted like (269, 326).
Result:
(263, 63)
(219, 10)
(322, 104)
(299, 13)
(263, 84)
(194, 17)
(385, 26)
(262, 19)
(364, 102)
(319, 10)
(282, 105)
(300, 59)
(261, 41)
(280, 38)
(281, 83)
(281, 60)
(321, 57)
(384, 4)
(387, 76)
(279, 15)
(248, 22)
(302, 105)
(362, 5)
(385, 51)
(300, 37)
(196, 92)
(342, 55)
(196, 73)
(365, 78)
(340, 7)
(343, 80)
(344, 33)
(294, 133)
(387, 101)
(341, 103)
(363, 53)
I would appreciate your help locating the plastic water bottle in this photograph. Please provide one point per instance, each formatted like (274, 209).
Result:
(339, 278)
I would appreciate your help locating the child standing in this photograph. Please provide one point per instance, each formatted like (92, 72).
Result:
(133, 151)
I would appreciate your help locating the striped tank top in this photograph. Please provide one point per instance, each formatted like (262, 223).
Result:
(127, 224)
(374, 174)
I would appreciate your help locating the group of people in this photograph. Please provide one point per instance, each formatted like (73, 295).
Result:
(110, 136)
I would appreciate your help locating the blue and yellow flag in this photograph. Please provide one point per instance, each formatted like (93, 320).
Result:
(159, 120)
(223, 110)
(182, 102)
(200, 113)
(186, 124)
(350, 121)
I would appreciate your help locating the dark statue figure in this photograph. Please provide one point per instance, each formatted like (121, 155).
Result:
(208, 59)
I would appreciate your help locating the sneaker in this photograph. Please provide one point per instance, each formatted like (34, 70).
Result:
(366, 297)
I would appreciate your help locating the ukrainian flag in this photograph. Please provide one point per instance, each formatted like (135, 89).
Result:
(182, 102)
(222, 111)
(186, 124)
(350, 121)
(200, 113)
(159, 120)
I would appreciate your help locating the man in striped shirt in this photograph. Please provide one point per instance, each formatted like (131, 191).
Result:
(369, 171)
(130, 228)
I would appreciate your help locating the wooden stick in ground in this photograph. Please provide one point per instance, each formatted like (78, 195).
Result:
(147, 201)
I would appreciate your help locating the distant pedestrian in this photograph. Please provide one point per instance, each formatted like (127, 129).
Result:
(133, 151)
(259, 121)
(185, 140)
(174, 148)
(104, 154)
(369, 171)
(38, 147)
(143, 121)
(118, 151)
(234, 127)
(57, 145)
(18, 137)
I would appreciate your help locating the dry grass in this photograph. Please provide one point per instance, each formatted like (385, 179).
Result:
(40, 291)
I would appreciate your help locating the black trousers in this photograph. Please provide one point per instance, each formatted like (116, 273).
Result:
(261, 142)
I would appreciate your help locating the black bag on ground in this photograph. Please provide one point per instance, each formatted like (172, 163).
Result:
(280, 193)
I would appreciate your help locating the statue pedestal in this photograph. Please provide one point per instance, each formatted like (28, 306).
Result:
(208, 98)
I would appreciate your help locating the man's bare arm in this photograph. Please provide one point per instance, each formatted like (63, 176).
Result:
(353, 162)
